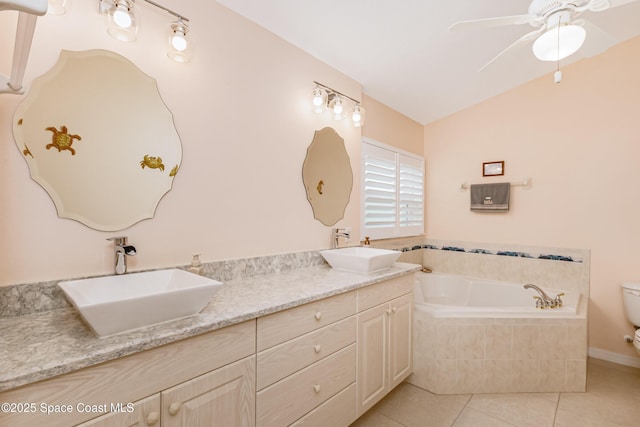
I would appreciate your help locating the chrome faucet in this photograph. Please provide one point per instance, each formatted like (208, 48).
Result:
(340, 232)
(123, 250)
(544, 300)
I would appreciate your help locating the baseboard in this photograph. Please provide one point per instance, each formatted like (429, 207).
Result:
(618, 358)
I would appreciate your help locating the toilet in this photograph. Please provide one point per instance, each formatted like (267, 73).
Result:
(631, 302)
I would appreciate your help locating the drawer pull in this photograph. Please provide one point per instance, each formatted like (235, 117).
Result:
(153, 418)
(316, 388)
(316, 348)
(174, 408)
(318, 315)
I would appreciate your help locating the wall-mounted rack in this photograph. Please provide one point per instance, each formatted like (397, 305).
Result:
(525, 183)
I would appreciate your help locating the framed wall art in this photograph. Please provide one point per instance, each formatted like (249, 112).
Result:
(493, 168)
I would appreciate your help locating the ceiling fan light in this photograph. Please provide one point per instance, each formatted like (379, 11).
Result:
(559, 42)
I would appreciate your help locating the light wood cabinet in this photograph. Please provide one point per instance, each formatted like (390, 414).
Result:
(306, 364)
(318, 364)
(143, 413)
(132, 378)
(384, 340)
(224, 397)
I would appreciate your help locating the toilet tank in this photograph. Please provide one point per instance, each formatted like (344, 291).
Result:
(631, 301)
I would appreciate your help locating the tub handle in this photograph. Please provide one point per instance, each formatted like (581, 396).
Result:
(539, 302)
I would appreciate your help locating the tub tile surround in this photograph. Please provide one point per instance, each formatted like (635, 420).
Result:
(38, 345)
(501, 355)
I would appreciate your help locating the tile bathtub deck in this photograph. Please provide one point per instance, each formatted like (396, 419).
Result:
(612, 399)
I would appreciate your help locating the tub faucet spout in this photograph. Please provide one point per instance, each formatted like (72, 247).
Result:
(544, 300)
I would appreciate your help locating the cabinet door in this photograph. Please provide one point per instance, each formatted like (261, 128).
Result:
(400, 336)
(224, 397)
(372, 380)
(145, 412)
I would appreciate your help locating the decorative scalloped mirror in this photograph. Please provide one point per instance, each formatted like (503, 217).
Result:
(327, 176)
(99, 139)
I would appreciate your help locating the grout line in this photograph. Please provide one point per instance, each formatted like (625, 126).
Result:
(555, 414)
(462, 410)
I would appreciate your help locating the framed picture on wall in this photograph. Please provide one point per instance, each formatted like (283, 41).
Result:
(493, 168)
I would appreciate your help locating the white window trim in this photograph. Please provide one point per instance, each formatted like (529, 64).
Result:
(396, 230)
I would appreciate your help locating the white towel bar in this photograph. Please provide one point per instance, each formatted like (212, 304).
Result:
(525, 183)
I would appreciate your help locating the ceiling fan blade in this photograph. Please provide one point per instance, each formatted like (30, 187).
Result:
(597, 40)
(491, 22)
(522, 41)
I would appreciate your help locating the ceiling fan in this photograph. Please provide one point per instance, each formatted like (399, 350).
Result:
(558, 33)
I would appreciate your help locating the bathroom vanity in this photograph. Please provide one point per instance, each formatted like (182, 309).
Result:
(277, 349)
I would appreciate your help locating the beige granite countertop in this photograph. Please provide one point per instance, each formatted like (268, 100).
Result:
(35, 347)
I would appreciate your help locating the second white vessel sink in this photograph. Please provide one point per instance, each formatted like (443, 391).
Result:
(359, 259)
(120, 303)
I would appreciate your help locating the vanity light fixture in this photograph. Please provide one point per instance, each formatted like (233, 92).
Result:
(122, 24)
(324, 97)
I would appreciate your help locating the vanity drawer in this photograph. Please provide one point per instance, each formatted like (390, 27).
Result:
(282, 326)
(379, 293)
(340, 410)
(291, 356)
(285, 401)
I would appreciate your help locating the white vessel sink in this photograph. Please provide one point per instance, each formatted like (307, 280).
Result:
(115, 304)
(359, 259)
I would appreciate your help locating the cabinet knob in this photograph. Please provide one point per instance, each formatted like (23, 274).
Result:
(153, 418)
(388, 311)
(316, 348)
(174, 408)
(394, 309)
(318, 315)
(316, 388)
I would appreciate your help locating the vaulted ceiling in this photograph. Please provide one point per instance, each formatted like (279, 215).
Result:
(403, 54)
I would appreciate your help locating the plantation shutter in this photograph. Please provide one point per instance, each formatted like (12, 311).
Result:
(392, 193)
(411, 196)
(379, 207)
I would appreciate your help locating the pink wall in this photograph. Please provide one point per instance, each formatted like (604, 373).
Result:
(579, 142)
(242, 110)
(386, 125)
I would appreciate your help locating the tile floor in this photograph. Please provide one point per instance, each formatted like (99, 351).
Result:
(612, 399)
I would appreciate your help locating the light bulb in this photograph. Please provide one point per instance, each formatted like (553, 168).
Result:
(358, 115)
(337, 107)
(178, 42)
(559, 42)
(121, 17)
(122, 23)
(319, 99)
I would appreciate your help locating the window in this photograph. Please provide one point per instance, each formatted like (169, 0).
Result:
(392, 192)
